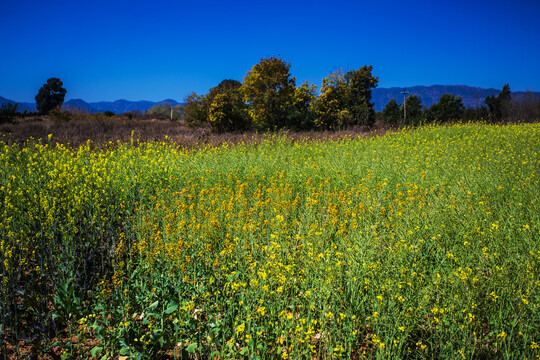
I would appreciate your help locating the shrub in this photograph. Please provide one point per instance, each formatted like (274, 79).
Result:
(8, 112)
(227, 112)
(61, 115)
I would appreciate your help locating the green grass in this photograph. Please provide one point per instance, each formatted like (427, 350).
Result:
(419, 244)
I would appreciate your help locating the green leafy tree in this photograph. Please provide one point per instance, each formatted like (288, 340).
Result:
(415, 112)
(194, 113)
(268, 89)
(360, 82)
(494, 108)
(505, 95)
(225, 86)
(50, 96)
(391, 113)
(349, 91)
(505, 100)
(448, 108)
(301, 115)
(498, 105)
(227, 113)
(331, 101)
(327, 108)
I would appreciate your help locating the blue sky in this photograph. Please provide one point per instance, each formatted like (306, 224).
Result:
(142, 50)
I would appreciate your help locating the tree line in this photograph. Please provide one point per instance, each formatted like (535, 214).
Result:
(501, 107)
(268, 98)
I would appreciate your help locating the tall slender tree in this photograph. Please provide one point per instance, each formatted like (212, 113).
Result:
(391, 113)
(498, 105)
(360, 83)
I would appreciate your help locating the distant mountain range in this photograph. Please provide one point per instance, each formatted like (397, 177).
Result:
(472, 96)
(117, 107)
(22, 105)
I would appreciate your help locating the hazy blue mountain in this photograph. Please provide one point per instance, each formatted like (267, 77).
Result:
(80, 105)
(22, 105)
(122, 106)
(522, 95)
(117, 107)
(168, 101)
(3, 100)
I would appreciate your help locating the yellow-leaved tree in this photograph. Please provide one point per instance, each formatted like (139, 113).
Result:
(268, 89)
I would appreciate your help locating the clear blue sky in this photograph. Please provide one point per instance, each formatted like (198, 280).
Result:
(142, 50)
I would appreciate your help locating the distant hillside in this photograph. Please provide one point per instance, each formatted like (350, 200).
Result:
(80, 105)
(22, 106)
(3, 100)
(431, 94)
(472, 96)
(117, 107)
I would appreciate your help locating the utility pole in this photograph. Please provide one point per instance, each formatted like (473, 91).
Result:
(405, 93)
(171, 111)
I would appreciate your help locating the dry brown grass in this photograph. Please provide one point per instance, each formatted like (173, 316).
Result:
(103, 131)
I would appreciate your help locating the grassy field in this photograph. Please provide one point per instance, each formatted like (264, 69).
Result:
(420, 244)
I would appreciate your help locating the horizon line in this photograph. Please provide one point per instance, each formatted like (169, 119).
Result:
(382, 87)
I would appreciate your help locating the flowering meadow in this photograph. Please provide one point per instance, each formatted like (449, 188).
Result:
(420, 244)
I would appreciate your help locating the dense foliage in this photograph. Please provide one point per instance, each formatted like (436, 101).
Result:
(391, 113)
(226, 109)
(268, 99)
(268, 89)
(502, 108)
(447, 109)
(414, 110)
(346, 99)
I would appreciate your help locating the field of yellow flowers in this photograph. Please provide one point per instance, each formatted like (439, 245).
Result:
(421, 244)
